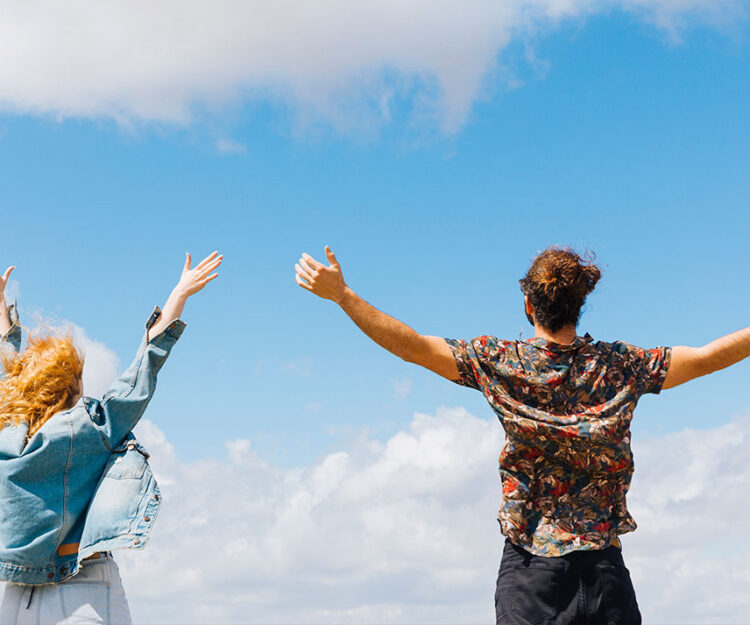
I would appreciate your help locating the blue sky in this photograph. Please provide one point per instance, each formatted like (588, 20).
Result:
(616, 139)
(436, 146)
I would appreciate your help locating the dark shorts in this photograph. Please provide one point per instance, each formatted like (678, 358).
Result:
(583, 587)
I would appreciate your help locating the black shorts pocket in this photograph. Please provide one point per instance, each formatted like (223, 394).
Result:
(504, 593)
(544, 588)
(618, 595)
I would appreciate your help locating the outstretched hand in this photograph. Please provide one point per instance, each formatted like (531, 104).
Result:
(4, 280)
(325, 281)
(193, 280)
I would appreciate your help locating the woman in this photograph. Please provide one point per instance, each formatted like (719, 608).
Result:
(565, 403)
(74, 482)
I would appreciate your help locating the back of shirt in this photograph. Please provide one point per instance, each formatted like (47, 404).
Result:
(566, 409)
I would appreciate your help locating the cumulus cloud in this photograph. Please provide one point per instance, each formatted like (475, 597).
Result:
(403, 531)
(330, 59)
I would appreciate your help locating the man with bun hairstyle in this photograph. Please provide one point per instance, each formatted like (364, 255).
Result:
(565, 402)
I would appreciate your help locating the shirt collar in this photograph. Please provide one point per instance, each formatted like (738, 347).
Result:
(550, 346)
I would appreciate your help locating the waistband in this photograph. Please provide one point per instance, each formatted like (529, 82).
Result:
(615, 545)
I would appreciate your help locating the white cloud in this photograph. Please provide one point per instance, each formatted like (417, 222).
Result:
(332, 59)
(404, 531)
(227, 146)
(402, 388)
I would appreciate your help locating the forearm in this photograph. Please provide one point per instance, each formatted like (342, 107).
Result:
(391, 334)
(726, 351)
(5, 323)
(172, 311)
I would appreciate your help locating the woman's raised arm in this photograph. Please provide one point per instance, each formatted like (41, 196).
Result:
(5, 323)
(128, 396)
(10, 331)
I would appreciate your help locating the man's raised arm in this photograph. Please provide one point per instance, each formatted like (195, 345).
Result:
(688, 363)
(431, 352)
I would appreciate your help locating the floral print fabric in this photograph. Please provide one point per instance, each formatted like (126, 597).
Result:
(566, 409)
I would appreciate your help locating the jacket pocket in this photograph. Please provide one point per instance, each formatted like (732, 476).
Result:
(127, 462)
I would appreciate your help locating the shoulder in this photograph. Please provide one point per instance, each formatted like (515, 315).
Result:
(487, 345)
(626, 355)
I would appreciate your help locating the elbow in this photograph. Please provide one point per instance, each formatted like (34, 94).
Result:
(407, 358)
(412, 356)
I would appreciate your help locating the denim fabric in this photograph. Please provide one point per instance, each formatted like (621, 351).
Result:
(590, 587)
(93, 597)
(82, 483)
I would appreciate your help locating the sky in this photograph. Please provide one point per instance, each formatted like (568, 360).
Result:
(436, 147)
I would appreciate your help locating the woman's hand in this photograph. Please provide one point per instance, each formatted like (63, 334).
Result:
(191, 281)
(4, 281)
(326, 282)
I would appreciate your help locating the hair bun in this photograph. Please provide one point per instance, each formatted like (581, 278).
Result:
(559, 279)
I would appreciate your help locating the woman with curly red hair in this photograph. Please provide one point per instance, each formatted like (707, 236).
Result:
(74, 482)
(566, 403)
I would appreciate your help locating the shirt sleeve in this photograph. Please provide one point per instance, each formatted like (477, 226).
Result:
(474, 358)
(649, 366)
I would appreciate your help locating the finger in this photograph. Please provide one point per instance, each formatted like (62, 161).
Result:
(310, 269)
(207, 280)
(7, 273)
(303, 273)
(210, 267)
(187, 262)
(207, 260)
(302, 283)
(312, 262)
(331, 256)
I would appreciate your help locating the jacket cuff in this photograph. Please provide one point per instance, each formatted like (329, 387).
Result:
(173, 331)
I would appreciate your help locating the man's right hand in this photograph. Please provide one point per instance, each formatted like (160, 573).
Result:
(325, 281)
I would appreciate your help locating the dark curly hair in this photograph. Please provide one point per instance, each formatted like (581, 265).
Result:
(557, 284)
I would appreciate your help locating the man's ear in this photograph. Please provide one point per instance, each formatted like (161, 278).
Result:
(529, 310)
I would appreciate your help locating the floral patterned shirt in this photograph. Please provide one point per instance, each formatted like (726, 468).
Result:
(566, 410)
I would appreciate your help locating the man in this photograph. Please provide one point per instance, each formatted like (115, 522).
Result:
(565, 403)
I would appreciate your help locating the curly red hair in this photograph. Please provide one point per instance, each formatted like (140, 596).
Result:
(39, 381)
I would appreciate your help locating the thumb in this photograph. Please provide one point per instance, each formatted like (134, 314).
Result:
(7, 273)
(187, 261)
(331, 256)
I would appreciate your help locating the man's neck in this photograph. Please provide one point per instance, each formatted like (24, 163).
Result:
(563, 336)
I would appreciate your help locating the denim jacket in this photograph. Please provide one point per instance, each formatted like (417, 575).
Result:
(81, 483)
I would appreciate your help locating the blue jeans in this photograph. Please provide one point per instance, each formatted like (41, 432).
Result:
(583, 587)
